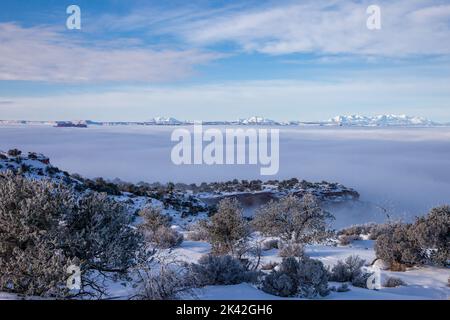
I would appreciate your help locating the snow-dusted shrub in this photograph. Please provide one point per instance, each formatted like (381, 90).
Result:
(393, 282)
(153, 219)
(98, 232)
(166, 238)
(227, 228)
(293, 219)
(270, 244)
(397, 246)
(45, 227)
(433, 235)
(306, 278)
(220, 270)
(345, 240)
(280, 284)
(379, 229)
(346, 271)
(357, 230)
(197, 233)
(291, 250)
(313, 278)
(163, 278)
(30, 261)
(156, 229)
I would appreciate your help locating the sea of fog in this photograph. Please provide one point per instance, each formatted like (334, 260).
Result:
(403, 170)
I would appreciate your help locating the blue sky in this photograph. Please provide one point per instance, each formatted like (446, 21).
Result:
(205, 60)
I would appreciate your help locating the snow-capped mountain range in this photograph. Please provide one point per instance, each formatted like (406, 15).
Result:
(381, 121)
(389, 120)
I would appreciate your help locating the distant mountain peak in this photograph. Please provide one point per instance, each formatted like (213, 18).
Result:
(165, 121)
(257, 120)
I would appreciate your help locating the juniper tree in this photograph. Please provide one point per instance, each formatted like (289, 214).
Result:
(292, 219)
(227, 228)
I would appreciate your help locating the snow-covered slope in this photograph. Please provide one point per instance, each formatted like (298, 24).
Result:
(34, 166)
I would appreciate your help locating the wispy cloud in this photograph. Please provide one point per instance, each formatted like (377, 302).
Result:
(44, 54)
(409, 27)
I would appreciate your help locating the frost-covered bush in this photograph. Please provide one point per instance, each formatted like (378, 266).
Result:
(284, 281)
(432, 232)
(156, 229)
(153, 219)
(357, 230)
(345, 240)
(227, 228)
(220, 270)
(393, 282)
(293, 219)
(98, 232)
(45, 227)
(306, 278)
(166, 238)
(398, 246)
(280, 284)
(313, 278)
(379, 229)
(163, 278)
(346, 271)
(197, 233)
(425, 241)
(30, 233)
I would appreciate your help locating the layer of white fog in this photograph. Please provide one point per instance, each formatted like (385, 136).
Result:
(405, 170)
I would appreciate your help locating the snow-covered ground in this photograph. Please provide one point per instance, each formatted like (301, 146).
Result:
(424, 283)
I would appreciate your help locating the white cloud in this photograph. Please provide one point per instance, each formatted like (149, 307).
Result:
(43, 54)
(409, 27)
